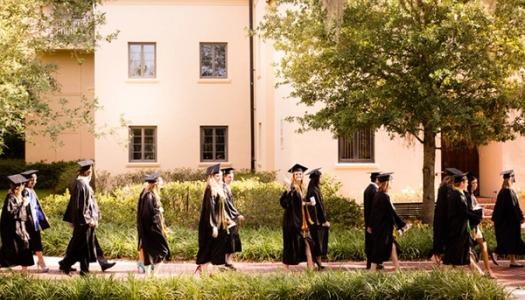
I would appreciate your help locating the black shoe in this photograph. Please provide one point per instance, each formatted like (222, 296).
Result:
(230, 266)
(515, 266)
(64, 268)
(494, 258)
(106, 265)
(84, 273)
(380, 266)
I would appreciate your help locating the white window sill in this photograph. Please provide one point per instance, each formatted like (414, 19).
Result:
(142, 80)
(143, 165)
(214, 80)
(211, 163)
(356, 166)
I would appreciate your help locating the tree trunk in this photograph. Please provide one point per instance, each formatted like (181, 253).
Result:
(429, 162)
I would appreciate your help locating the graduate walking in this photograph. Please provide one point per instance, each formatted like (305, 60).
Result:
(297, 241)
(233, 238)
(383, 218)
(368, 199)
(213, 222)
(152, 242)
(16, 213)
(38, 220)
(83, 214)
(507, 218)
(320, 227)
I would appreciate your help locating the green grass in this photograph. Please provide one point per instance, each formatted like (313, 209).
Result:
(309, 285)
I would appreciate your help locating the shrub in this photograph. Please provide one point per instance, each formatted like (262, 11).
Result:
(55, 176)
(325, 285)
(105, 182)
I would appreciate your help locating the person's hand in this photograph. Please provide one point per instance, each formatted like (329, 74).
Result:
(326, 224)
(369, 230)
(25, 201)
(241, 218)
(312, 201)
(215, 232)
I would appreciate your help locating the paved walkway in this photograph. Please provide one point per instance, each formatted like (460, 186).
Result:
(512, 279)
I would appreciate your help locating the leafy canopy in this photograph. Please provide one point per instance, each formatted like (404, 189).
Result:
(413, 66)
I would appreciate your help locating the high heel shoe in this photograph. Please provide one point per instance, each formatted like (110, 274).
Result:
(42, 268)
(141, 268)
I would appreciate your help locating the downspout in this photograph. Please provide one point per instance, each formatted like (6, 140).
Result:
(252, 92)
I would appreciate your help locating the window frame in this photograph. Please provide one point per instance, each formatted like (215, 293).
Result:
(142, 44)
(142, 144)
(356, 148)
(214, 143)
(213, 55)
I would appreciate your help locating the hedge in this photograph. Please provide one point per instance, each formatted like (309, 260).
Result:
(311, 285)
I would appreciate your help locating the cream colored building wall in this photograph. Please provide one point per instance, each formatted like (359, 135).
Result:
(496, 157)
(320, 149)
(76, 80)
(176, 101)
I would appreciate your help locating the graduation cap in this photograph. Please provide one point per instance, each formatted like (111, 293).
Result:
(385, 176)
(373, 175)
(85, 164)
(460, 177)
(213, 169)
(17, 179)
(470, 176)
(297, 167)
(29, 173)
(507, 174)
(314, 173)
(452, 171)
(152, 178)
(227, 171)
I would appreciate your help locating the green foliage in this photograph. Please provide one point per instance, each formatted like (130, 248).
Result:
(55, 176)
(28, 29)
(326, 285)
(105, 182)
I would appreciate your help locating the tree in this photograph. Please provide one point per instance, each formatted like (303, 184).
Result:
(421, 68)
(29, 28)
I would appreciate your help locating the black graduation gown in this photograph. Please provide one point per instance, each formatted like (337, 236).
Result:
(15, 249)
(507, 218)
(317, 213)
(35, 238)
(211, 249)
(82, 210)
(233, 238)
(457, 238)
(383, 218)
(368, 199)
(151, 235)
(440, 220)
(294, 239)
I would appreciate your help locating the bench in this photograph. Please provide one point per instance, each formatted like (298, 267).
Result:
(409, 210)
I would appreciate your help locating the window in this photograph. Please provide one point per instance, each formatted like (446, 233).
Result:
(213, 60)
(142, 60)
(359, 148)
(214, 143)
(143, 144)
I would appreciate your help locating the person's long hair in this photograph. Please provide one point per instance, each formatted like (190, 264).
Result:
(216, 187)
(298, 185)
(506, 184)
(384, 186)
(314, 182)
(469, 187)
(154, 188)
(446, 181)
